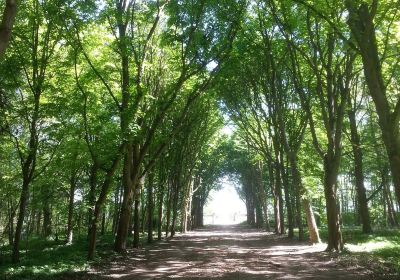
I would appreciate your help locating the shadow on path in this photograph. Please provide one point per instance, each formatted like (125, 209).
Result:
(228, 252)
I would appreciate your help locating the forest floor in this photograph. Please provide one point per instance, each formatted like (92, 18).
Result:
(232, 252)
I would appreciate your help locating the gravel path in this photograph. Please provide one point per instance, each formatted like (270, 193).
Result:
(228, 252)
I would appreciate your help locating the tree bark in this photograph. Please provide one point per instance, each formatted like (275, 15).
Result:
(92, 192)
(136, 215)
(359, 175)
(23, 201)
(72, 187)
(388, 202)
(175, 209)
(272, 182)
(160, 212)
(168, 210)
(150, 209)
(125, 211)
(47, 225)
(99, 204)
(289, 208)
(9, 14)
(11, 216)
(331, 169)
(361, 22)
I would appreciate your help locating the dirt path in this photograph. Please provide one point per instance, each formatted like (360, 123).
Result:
(228, 252)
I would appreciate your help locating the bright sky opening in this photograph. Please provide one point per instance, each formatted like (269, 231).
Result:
(224, 207)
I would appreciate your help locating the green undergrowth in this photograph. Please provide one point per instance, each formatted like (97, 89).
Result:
(379, 251)
(47, 259)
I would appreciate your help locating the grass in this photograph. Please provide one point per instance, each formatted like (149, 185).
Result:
(44, 259)
(379, 251)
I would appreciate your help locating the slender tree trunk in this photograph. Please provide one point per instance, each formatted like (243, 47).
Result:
(331, 167)
(28, 169)
(361, 22)
(11, 216)
(92, 192)
(150, 209)
(301, 196)
(186, 206)
(263, 195)
(388, 202)
(99, 204)
(103, 222)
(175, 210)
(259, 216)
(200, 214)
(72, 187)
(280, 201)
(47, 225)
(125, 212)
(10, 11)
(299, 220)
(160, 213)
(189, 209)
(130, 179)
(276, 199)
(143, 212)
(21, 215)
(289, 208)
(359, 175)
(136, 215)
(169, 203)
(117, 202)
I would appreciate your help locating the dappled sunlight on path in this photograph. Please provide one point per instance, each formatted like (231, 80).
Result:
(228, 252)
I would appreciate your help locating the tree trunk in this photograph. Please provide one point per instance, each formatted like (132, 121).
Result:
(130, 181)
(10, 11)
(150, 209)
(23, 201)
(72, 187)
(331, 167)
(175, 210)
(359, 175)
(11, 215)
(160, 212)
(169, 204)
(298, 217)
(92, 193)
(262, 195)
(99, 204)
(125, 212)
(103, 222)
(301, 199)
(259, 216)
(186, 205)
(388, 202)
(47, 226)
(276, 198)
(361, 22)
(280, 201)
(289, 208)
(136, 214)
(311, 224)
(117, 203)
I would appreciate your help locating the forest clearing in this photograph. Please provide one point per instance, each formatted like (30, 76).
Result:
(229, 139)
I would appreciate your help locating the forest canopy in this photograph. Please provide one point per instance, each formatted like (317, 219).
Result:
(113, 112)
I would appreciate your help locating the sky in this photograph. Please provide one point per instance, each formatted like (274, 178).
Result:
(224, 207)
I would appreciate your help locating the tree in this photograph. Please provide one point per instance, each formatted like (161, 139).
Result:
(361, 23)
(8, 19)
